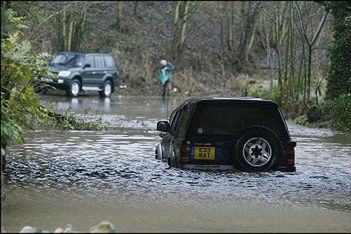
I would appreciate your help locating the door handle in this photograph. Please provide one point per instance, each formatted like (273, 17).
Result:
(94, 72)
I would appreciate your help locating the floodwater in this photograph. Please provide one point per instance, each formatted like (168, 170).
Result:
(84, 177)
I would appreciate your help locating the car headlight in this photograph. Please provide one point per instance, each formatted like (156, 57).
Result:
(64, 73)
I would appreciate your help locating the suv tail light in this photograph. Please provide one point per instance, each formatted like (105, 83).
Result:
(185, 152)
(290, 154)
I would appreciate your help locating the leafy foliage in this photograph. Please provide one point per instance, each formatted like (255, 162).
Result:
(338, 95)
(339, 77)
(10, 22)
(68, 121)
(337, 112)
(290, 107)
(20, 106)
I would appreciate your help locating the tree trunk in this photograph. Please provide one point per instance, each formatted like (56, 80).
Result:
(251, 42)
(64, 39)
(175, 31)
(70, 33)
(135, 8)
(292, 63)
(253, 13)
(309, 71)
(80, 29)
(286, 59)
(119, 15)
(229, 20)
(183, 30)
(310, 45)
(300, 76)
(220, 8)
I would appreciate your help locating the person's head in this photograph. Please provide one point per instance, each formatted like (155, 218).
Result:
(163, 63)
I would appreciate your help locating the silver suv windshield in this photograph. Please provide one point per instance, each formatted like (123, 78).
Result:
(63, 59)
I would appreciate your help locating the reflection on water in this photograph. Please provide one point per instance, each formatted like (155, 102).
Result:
(119, 167)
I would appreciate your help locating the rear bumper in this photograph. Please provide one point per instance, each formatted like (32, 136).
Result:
(207, 167)
(227, 167)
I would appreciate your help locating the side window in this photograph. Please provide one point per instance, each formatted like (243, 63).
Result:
(99, 61)
(175, 122)
(182, 118)
(80, 60)
(90, 60)
(178, 120)
(109, 61)
(172, 117)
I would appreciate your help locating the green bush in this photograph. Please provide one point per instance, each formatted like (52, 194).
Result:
(20, 106)
(337, 112)
(68, 121)
(339, 75)
(254, 91)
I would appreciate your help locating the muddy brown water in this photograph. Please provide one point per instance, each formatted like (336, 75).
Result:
(84, 177)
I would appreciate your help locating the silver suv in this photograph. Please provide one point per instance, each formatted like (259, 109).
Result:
(77, 71)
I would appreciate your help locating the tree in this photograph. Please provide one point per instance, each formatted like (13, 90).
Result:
(182, 13)
(119, 15)
(70, 29)
(310, 44)
(250, 13)
(339, 76)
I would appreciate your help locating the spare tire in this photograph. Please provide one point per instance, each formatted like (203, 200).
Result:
(258, 149)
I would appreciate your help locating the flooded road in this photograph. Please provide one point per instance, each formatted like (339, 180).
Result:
(84, 177)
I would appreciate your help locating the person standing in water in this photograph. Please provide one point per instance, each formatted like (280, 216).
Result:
(165, 76)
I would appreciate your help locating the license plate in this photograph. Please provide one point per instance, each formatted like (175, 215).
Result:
(204, 153)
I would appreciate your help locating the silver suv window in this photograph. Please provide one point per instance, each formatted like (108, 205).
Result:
(90, 60)
(109, 61)
(99, 61)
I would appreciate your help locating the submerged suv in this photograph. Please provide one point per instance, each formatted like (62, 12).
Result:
(78, 71)
(248, 134)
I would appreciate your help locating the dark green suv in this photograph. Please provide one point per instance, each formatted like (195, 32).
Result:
(77, 71)
(248, 134)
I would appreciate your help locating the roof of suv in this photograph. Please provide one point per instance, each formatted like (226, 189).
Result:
(230, 99)
(82, 53)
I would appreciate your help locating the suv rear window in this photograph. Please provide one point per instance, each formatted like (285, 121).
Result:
(109, 61)
(228, 118)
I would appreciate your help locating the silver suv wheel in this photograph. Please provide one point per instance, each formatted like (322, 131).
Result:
(75, 88)
(107, 89)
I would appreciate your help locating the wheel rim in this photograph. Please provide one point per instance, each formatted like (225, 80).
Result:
(257, 152)
(107, 89)
(75, 88)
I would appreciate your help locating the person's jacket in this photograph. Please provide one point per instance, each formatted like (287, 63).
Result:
(165, 73)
